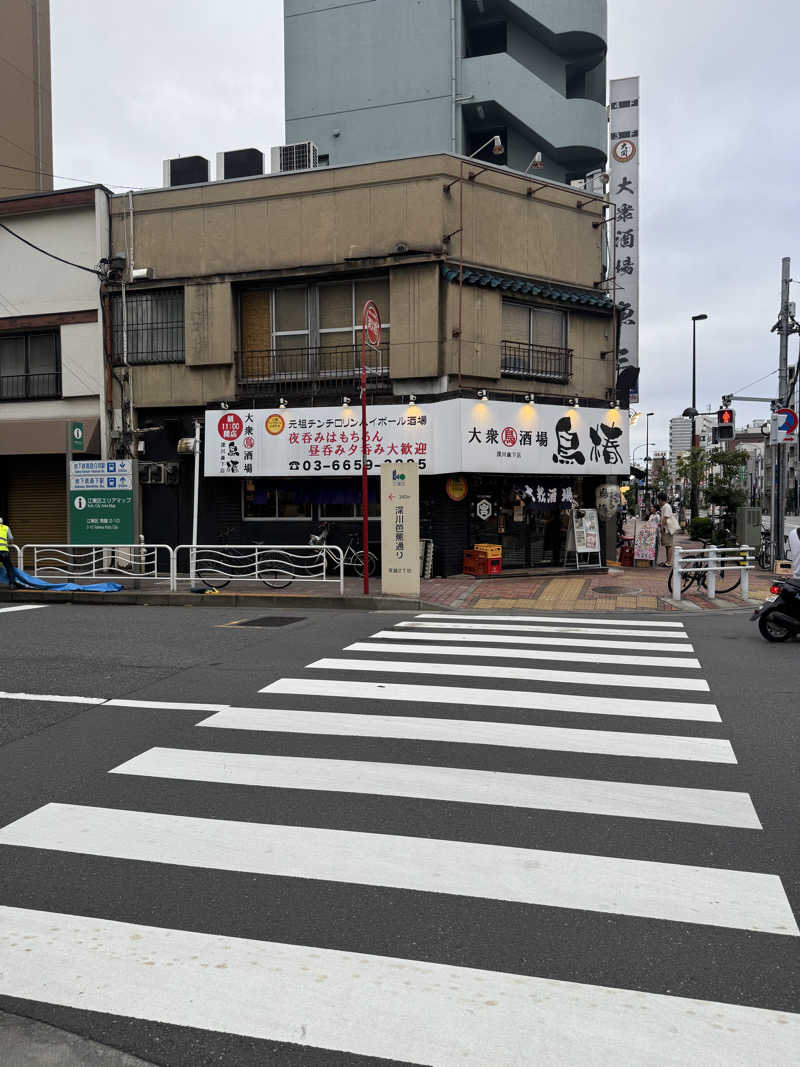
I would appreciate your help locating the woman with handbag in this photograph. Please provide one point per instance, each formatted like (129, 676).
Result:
(669, 527)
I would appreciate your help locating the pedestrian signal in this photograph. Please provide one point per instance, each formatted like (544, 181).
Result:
(726, 424)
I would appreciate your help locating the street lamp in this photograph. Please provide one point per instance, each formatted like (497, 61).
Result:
(692, 411)
(647, 455)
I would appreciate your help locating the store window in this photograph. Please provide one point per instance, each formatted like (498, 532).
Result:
(30, 366)
(340, 500)
(154, 327)
(265, 500)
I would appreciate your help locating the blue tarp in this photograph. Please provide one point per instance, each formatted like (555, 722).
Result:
(29, 582)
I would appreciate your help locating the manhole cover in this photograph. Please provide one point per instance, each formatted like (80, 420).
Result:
(271, 620)
(619, 590)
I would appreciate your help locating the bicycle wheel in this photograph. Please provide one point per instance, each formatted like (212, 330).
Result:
(211, 577)
(728, 578)
(358, 562)
(275, 579)
(686, 581)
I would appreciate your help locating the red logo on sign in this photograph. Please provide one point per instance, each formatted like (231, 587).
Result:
(230, 427)
(372, 324)
(509, 436)
(249, 442)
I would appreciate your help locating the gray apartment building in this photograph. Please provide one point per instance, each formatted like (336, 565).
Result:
(391, 79)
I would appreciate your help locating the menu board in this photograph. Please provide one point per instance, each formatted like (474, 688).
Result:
(644, 540)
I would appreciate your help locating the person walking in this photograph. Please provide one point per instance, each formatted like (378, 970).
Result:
(669, 526)
(6, 537)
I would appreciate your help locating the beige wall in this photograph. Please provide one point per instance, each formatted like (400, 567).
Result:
(25, 108)
(317, 224)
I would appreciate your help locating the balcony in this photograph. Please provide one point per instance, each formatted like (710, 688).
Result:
(279, 369)
(539, 363)
(31, 386)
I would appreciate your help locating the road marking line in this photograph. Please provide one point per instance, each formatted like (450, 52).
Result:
(550, 618)
(52, 697)
(515, 639)
(505, 698)
(709, 807)
(408, 1010)
(492, 670)
(23, 607)
(744, 900)
(165, 705)
(527, 628)
(466, 731)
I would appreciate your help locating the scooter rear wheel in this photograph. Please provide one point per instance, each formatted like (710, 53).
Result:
(771, 629)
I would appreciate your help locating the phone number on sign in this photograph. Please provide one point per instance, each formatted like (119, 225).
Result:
(346, 464)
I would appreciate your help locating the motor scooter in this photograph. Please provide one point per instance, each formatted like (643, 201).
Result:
(779, 616)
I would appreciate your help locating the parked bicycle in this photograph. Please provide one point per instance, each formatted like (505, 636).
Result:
(728, 571)
(764, 555)
(216, 568)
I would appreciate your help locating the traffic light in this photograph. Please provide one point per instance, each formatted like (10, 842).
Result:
(726, 424)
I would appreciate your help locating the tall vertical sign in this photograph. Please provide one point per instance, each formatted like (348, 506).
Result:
(623, 159)
(400, 529)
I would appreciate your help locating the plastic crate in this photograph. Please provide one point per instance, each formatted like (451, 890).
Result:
(476, 563)
(494, 565)
(490, 550)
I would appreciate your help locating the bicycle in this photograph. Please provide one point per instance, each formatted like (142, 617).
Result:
(764, 554)
(351, 555)
(699, 576)
(218, 569)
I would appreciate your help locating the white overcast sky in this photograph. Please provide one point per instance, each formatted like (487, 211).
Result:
(720, 183)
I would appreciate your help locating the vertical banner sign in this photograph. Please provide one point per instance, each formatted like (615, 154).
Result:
(77, 437)
(400, 529)
(623, 167)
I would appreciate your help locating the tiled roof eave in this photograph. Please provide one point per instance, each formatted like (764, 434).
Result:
(509, 283)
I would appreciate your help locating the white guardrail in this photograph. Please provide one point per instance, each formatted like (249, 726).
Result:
(277, 566)
(91, 563)
(712, 563)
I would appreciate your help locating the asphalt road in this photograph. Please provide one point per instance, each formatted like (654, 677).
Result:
(61, 753)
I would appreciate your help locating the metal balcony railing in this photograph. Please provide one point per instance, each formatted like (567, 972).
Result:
(538, 362)
(263, 370)
(30, 386)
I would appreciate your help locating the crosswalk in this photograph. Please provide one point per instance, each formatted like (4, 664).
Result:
(502, 840)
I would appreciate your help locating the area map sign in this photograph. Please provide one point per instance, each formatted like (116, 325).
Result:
(101, 502)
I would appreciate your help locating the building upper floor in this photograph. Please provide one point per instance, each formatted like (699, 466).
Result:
(254, 287)
(387, 80)
(26, 137)
(51, 338)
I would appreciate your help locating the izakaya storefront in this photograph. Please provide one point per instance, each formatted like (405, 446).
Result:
(491, 471)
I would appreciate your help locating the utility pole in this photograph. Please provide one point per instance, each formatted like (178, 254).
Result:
(784, 328)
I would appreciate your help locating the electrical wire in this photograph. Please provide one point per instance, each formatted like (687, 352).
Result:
(761, 379)
(67, 178)
(52, 255)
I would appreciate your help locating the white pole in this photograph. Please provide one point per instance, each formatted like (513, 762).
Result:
(676, 572)
(711, 583)
(745, 561)
(196, 502)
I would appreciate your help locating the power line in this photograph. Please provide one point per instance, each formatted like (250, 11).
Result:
(67, 178)
(52, 255)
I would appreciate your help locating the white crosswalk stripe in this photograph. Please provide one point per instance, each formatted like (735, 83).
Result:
(710, 807)
(512, 640)
(595, 826)
(491, 670)
(671, 639)
(531, 876)
(471, 732)
(375, 643)
(398, 1009)
(21, 607)
(498, 698)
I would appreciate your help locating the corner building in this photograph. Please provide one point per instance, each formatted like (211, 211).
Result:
(248, 317)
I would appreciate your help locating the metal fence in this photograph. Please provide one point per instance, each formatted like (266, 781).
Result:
(712, 566)
(91, 563)
(277, 566)
(539, 362)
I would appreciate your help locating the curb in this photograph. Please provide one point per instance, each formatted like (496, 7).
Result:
(29, 1043)
(232, 600)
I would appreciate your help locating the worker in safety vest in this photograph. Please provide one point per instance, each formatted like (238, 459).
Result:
(5, 556)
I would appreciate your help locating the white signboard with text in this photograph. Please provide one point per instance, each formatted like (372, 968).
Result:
(400, 529)
(623, 167)
(492, 436)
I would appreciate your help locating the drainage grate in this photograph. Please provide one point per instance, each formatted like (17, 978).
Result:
(619, 590)
(271, 620)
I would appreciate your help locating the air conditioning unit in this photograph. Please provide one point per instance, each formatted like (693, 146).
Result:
(301, 156)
